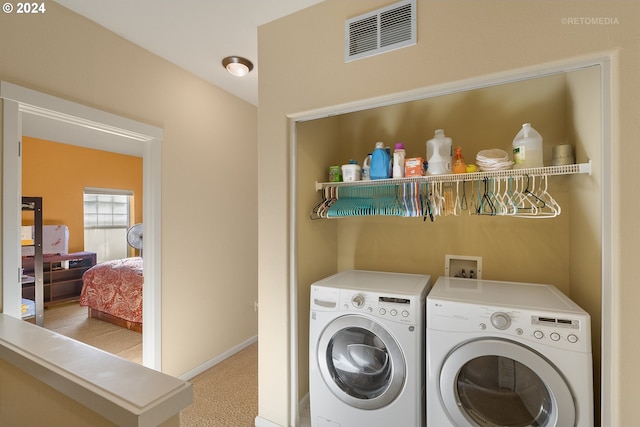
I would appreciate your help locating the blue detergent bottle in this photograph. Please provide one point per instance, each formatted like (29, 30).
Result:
(380, 163)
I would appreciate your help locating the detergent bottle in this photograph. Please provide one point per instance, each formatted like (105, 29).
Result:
(398, 161)
(439, 154)
(366, 166)
(527, 148)
(351, 171)
(380, 162)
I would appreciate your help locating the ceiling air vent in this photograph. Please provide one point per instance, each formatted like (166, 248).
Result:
(380, 31)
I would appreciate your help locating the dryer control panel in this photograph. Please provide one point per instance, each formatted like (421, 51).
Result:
(569, 331)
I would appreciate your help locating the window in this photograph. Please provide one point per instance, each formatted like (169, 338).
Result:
(106, 221)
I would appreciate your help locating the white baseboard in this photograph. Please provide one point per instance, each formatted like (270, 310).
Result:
(263, 422)
(213, 362)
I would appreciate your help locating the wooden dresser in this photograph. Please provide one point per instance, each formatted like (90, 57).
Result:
(62, 276)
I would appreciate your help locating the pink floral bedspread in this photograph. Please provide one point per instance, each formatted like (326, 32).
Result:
(115, 287)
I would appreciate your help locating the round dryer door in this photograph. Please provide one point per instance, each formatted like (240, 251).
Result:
(494, 382)
(361, 362)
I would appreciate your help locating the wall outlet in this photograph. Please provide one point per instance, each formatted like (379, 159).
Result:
(469, 267)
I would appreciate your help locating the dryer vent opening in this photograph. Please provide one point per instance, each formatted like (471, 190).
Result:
(382, 30)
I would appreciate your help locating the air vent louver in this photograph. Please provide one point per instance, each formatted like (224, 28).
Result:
(381, 31)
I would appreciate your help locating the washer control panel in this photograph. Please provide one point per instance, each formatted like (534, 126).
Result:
(563, 330)
(403, 309)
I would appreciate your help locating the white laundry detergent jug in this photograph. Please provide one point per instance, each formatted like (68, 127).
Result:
(398, 161)
(527, 148)
(366, 166)
(439, 154)
(351, 171)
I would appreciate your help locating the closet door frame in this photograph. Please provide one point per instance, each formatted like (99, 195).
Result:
(607, 62)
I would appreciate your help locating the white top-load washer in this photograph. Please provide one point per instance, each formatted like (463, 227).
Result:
(366, 350)
(507, 354)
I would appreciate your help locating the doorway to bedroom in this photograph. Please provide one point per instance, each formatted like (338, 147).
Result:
(29, 113)
(88, 205)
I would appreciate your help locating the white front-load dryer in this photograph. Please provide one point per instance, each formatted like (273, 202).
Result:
(507, 354)
(366, 350)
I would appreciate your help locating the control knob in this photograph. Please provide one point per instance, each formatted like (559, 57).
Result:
(357, 301)
(500, 320)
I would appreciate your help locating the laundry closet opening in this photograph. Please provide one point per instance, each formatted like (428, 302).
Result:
(566, 107)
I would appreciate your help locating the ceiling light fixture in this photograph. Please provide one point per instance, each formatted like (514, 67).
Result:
(237, 65)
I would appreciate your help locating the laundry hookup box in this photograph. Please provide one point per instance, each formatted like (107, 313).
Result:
(55, 240)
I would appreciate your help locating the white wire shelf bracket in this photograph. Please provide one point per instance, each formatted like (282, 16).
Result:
(577, 168)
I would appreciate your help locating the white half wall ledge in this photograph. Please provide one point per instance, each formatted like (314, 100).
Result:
(122, 391)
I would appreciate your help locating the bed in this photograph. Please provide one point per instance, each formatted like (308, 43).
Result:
(112, 291)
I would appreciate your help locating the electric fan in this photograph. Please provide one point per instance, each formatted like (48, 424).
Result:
(134, 237)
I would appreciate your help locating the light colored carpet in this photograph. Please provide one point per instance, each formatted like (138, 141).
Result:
(227, 394)
(223, 396)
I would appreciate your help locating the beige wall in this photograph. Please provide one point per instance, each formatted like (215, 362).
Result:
(209, 215)
(319, 143)
(53, 408)
(21, 394)
(456, 41)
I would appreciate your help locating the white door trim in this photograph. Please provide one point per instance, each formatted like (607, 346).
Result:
(110, 132)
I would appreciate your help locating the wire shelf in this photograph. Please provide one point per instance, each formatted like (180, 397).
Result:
(511, 192)
(578, 168)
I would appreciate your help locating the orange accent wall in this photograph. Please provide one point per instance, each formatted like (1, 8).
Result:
(59, 173)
